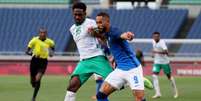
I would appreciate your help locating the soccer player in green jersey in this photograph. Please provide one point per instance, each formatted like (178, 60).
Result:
(161, 61)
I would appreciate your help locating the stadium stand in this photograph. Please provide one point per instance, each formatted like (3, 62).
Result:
(19, 25)
(180, 2)
(194, 33)
(36, 1)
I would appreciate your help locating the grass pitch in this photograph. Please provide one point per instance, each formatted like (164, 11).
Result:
(18, 88)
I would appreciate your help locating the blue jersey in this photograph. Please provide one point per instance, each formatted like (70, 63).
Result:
(123, 54)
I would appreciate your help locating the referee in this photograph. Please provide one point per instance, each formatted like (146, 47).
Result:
(39, 47)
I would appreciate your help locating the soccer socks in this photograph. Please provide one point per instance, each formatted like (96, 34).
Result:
(143, 99)
(70, 96)
(98, 85)
(174, 87)
(36, 89)
(101, 97)
(156, 85)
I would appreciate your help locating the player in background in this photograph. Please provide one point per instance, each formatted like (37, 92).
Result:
(39, 48)
(92, 59)
(128, 69)
(161, 61)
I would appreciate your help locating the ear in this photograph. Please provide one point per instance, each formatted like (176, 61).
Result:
(85, 13)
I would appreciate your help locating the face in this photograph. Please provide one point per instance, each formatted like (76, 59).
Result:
(79, 15)
(102, 23)
(43, 35)
(156, 37)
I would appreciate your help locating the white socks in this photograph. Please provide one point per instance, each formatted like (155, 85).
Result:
(173, 85)
(70, 96)
(156, 85)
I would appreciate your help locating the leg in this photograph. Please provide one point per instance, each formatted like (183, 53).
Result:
(37, 85)
(72, 88)
(74, 85)
(105, 91)
(99, 82)
(139, 95)
(136, 82)
(156, 85)
(167, 71)
(156, 71)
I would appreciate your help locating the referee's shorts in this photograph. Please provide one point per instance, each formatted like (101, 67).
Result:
(38, 65)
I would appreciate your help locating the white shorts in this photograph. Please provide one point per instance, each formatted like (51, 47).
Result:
(133, 77)
(97, 77)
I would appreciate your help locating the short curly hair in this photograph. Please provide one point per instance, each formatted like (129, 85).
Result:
(79, 5)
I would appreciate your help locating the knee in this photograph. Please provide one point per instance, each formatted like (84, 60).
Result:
(101, 95)
(74, 84)
(33, 84)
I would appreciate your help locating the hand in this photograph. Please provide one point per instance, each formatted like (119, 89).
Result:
(130, 36)
(127, 36)
(90, 30)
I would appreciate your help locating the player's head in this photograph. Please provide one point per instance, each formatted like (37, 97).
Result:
(156, 36)
(103, 21)
(42, 33)
(79, 12)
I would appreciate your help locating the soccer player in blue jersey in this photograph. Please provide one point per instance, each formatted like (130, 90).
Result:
(128, 69)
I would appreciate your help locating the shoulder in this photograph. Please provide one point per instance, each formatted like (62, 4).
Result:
(115, 30)
(90, 22)
(49, 40)
(162, 41)
(34, 38)
(153, 41)
(72, 27)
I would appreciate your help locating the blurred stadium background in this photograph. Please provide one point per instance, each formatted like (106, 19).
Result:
(179, 22)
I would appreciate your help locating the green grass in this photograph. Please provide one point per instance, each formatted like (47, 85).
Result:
(17, 88)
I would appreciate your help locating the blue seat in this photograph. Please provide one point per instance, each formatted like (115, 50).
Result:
(19, 25)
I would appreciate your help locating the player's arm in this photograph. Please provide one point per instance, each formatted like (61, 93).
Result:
(28, 51)
(30, 46)
(52, 48)
(96, 33)
(127, 36)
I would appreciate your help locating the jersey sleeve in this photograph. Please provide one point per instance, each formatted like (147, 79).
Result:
(163, 45)
(32, 42)
(93, 23)
(116, 33)
(51, 43)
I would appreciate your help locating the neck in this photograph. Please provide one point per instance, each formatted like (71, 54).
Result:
(108, 29)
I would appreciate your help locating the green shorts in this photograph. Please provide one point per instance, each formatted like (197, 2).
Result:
(166, 68)
(98, 65)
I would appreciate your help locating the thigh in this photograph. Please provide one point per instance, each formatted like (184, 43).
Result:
(101, 66)
(156, 68)
(166, 69)
(42, 66)
(83, 71)
(135, 78)
(33, 67)
(116, 79)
